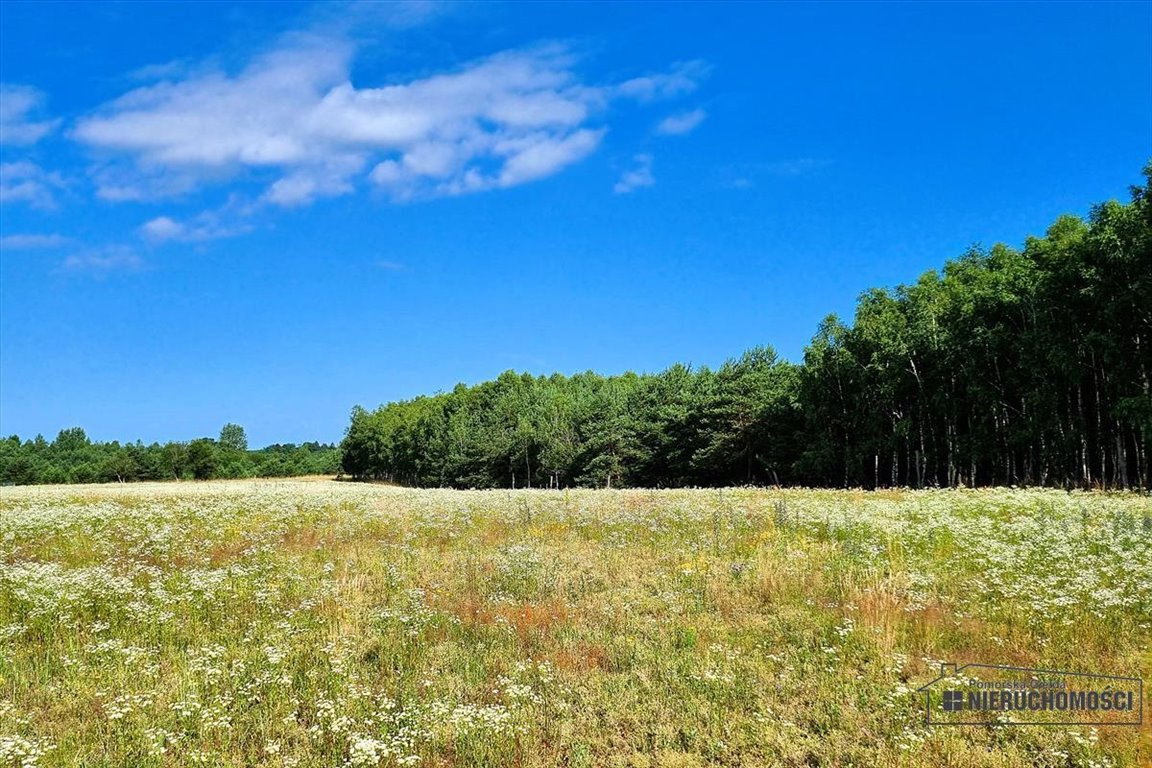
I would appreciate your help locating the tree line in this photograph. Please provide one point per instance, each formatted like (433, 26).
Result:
(73, 458)
(1026, 366)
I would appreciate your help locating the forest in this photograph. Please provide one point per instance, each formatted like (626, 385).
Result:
(1009, 366)
(73, 458)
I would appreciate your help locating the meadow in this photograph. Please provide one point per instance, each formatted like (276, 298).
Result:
(292, 623)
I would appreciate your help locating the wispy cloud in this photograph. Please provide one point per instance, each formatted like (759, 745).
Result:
(371, 18)
(19, 105)
(682, 79)
(32, 242)
(169, 70)
(102, 261)
(682, 123)
(26, 182)
(640, 175)
(163, 228)
(745, 176)
(205, 226)
(294, 115)
(796, 166)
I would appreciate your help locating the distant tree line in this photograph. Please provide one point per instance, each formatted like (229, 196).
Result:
(73, 458)
(1023, 366)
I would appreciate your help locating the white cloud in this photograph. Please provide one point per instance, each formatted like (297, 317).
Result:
(797, 166)
(294, 121)
(639, 176)
(539, 156)
(25, 182)
(305, 184)
(18, 104)
(375, 18)
(101, 261)
(120, 183)
(163, 228)
(166, 71)
(682, 123)
(205, 226)
(744, 176)
(32, 242)
(683, 78)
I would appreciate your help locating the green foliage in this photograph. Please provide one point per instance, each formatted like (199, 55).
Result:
(73, 458)
(233, 438)
(674, 428)
(1028, 367)
(1009, 366)
(203, 458)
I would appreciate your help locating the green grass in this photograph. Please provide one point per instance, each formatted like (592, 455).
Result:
(332, 624)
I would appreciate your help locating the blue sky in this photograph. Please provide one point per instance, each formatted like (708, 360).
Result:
(267, 213)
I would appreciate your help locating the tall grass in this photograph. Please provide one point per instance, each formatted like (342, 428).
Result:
(313, 624)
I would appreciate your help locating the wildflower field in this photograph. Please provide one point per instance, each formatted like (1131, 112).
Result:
(334, 624)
